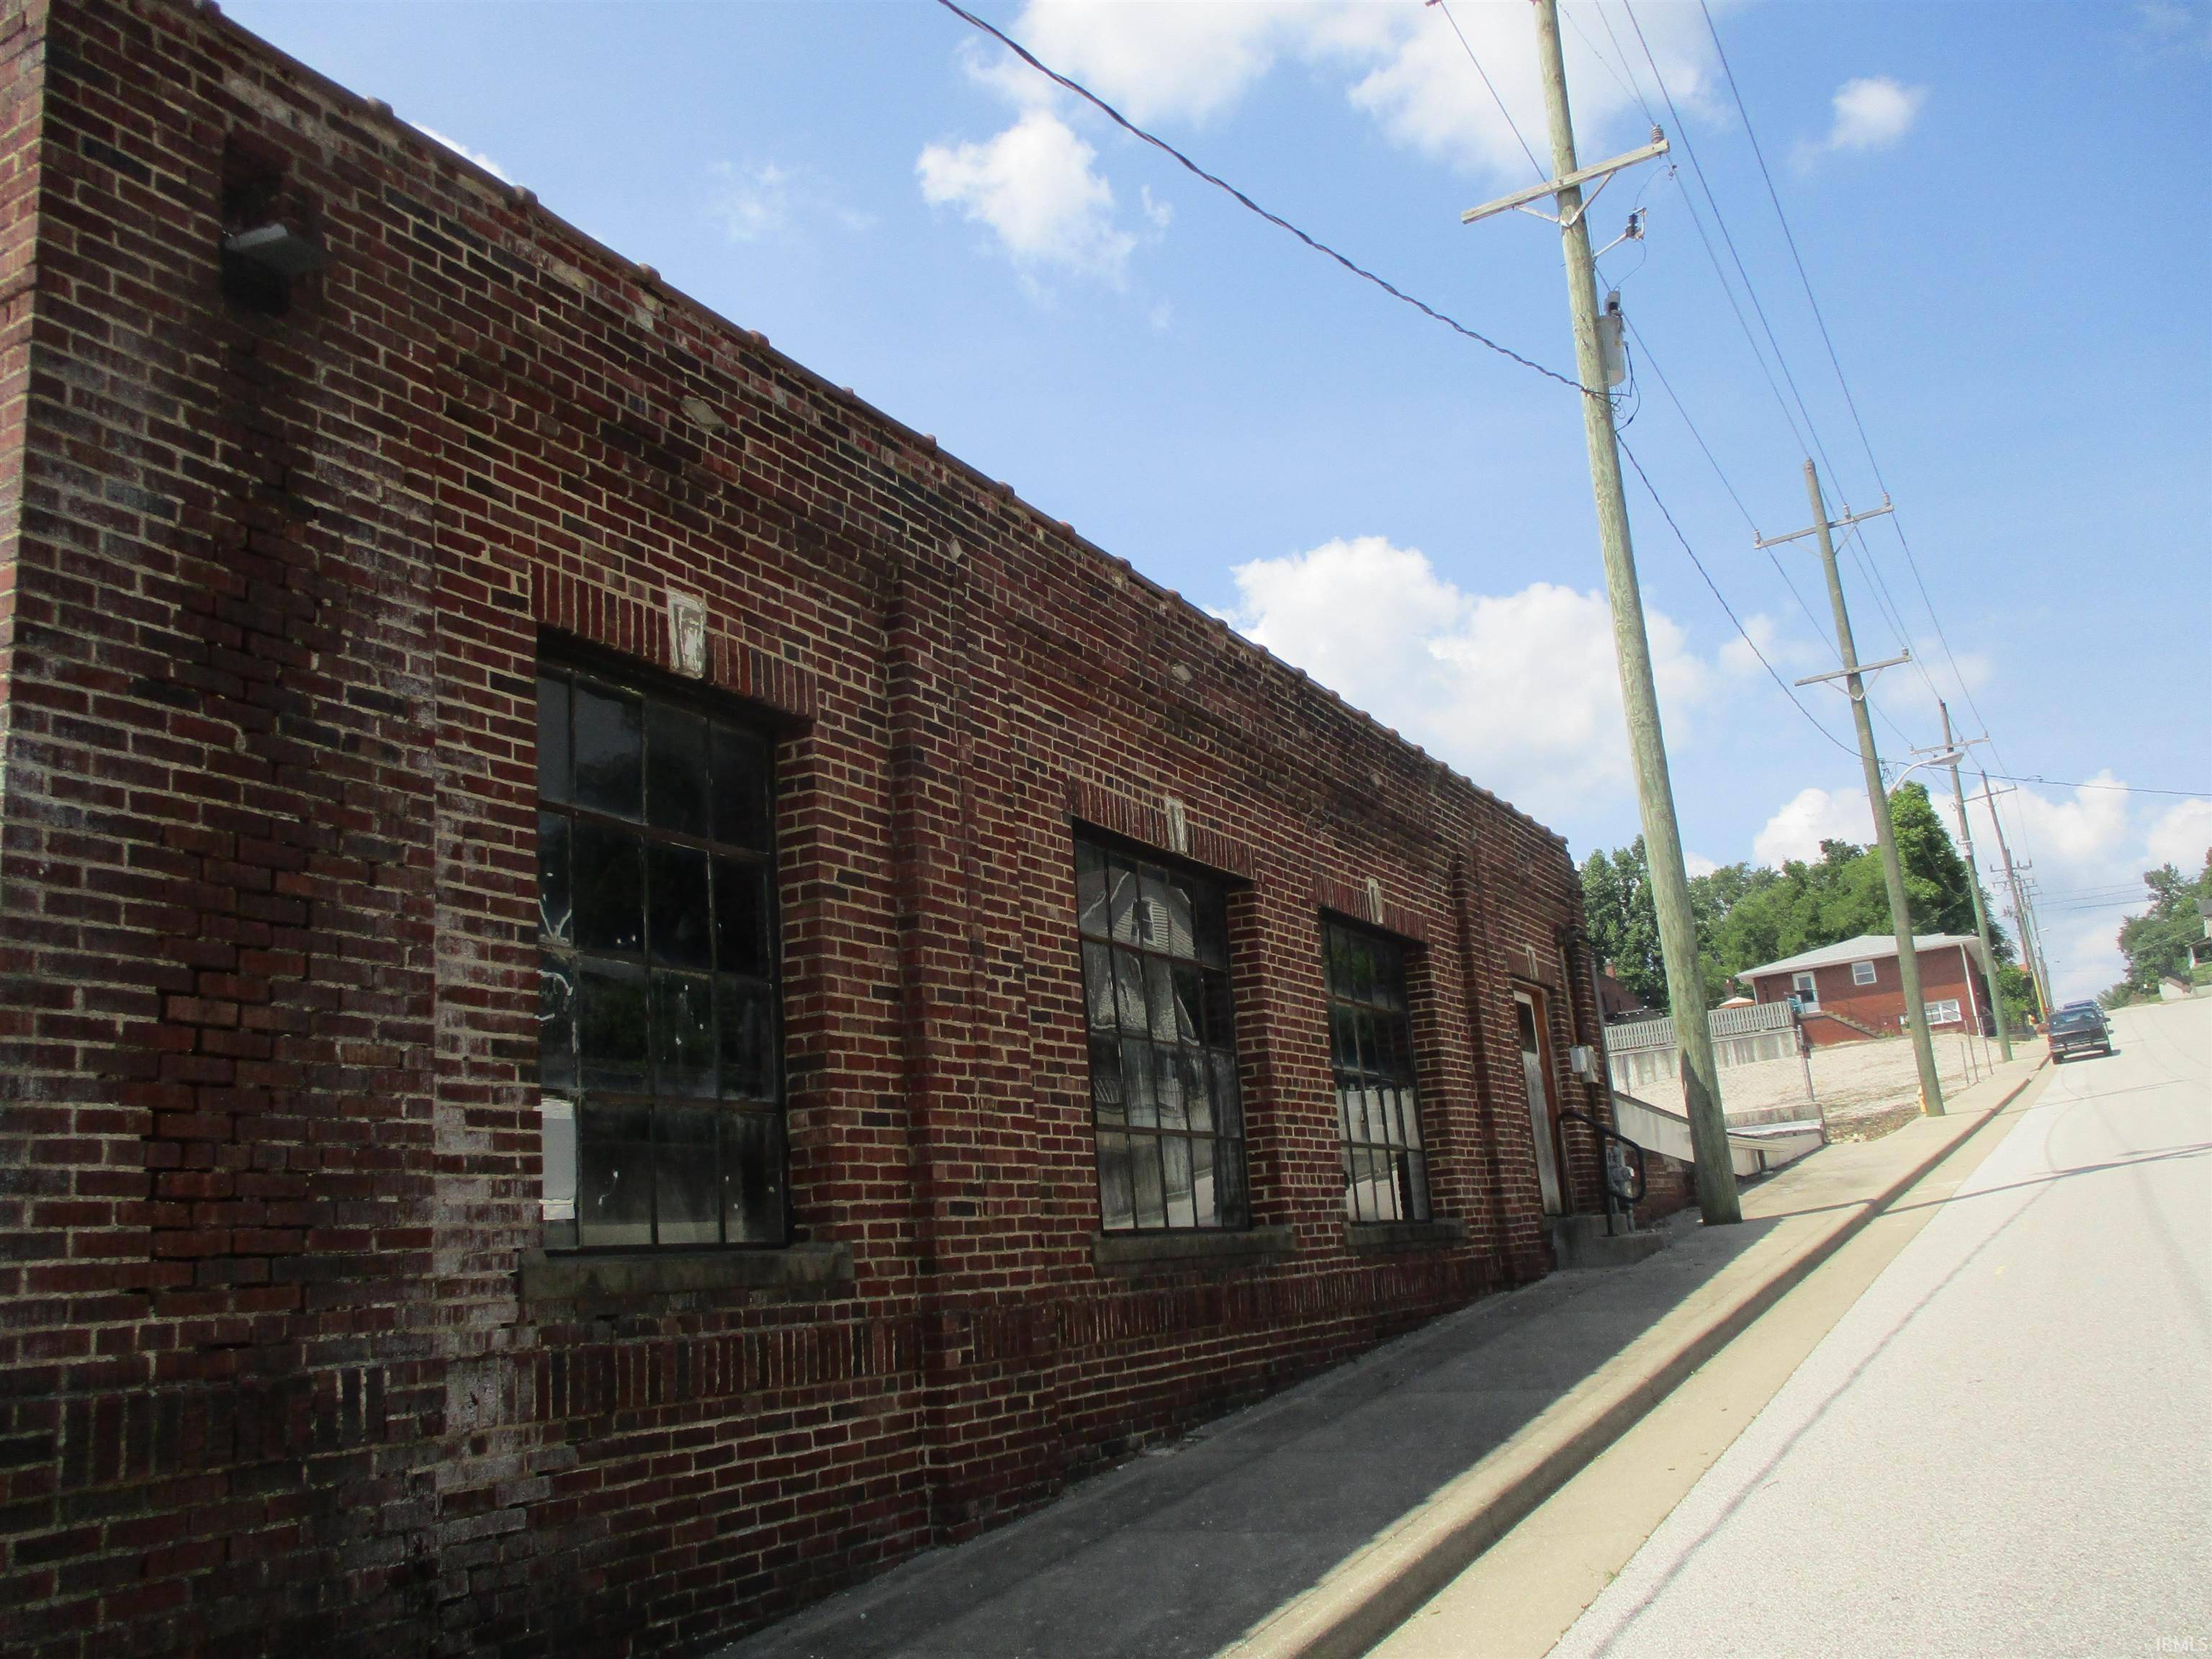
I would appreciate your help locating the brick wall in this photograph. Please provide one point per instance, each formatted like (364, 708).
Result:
(270, 1150)
(1946, 973)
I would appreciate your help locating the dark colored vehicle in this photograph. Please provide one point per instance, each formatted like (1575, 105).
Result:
(2076, 1030)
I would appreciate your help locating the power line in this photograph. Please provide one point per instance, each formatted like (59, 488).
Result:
(1243, 200)
(1515, 126)
(2120, 789)
(1835, 362)
(1788, 690)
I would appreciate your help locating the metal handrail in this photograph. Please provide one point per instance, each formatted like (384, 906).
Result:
(1633, 1159)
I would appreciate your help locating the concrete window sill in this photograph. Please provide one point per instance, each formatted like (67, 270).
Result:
(1369, 1236)
(1128, 1253)
(559, 1277)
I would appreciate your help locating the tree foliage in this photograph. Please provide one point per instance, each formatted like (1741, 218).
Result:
(1749, 915)
(2156, 943)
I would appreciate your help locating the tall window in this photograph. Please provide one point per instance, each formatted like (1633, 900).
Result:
(659, 1014)
(1378, 1109)
(1163, 1044)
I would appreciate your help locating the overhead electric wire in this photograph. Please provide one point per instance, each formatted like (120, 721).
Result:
(1246, 202)
(1835, 362)
(1444, 6)
(1462, 329)
(1788, 690)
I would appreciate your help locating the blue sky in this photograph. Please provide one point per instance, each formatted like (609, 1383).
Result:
(2000, 209)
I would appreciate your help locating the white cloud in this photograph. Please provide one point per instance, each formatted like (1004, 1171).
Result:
(1032, 186)
(1519, 691)
(462, 149)
(1194, 62)
(1873, 111)
(2181, 836)
(1810, 816)
(762, 199)
(751, 203)
(1699, 865)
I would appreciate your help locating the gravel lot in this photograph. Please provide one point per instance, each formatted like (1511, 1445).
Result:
(1857, 1084)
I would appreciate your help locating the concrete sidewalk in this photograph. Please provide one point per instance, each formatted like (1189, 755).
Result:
(1311, 1525)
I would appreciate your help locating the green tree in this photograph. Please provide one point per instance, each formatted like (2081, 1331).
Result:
(2156, 943)
(1623, 922)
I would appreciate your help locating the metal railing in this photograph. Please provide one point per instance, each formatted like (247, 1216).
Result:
(1624, 1183)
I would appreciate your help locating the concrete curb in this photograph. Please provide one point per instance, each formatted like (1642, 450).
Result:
(1369, 1593)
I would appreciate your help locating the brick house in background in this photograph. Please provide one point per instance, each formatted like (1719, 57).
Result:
(1851, 991)
(627, 993)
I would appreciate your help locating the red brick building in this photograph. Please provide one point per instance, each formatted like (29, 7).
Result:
(1851, 991)
(626, 992)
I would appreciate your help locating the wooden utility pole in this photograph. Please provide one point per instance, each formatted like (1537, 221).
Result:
(1718, 1200)
(1853, 674)
(2028, 955)
(1974, 884)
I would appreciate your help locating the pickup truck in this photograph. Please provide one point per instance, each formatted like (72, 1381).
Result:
(2077, 1030)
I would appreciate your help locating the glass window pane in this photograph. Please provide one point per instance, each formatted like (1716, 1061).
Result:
(741, 931)
(1370, 1060)
(680, 924)
(1205, 1203)
(609, 887)
(687, 1176)
(1343, 1039)
(749, 1058)
(1363, 969)
(752, 1178)
(1116, 1208)
(1122, 900)
(1344, 1095)
(676, 769)
(1090, 918)
(1159, 997)
(1220, 1014)
(553, 738)
(612, 1027)
(1227, 1111)
(683, 1034)
(1210, 923)
(1098, 986)
(1168, 1087)
(1197, 1092)
(1106, 1079)
(1174, 1154)
(1351, 1188)
(1378, 1121)
(609, 751)
(614, 1175)
(1129, 977)
(1148, 1198)
(1152, 908)
(1228, 1182)
(739, 787)
(1409, 1113)
(556, 907)
(1182, 932)
(1332, 960)
(1139, 1094)
(1189, 1003)
(1415, 1179)
(556, 1024)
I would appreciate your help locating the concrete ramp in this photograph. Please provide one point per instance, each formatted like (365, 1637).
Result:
(1753, 1149)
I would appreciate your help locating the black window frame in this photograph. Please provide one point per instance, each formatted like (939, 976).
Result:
(1374, 1068)
(727, 840)
(1127, 1057)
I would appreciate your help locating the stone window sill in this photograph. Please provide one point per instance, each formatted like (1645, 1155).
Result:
(1139, 1253)
(558, 1276)
(1369, 1236)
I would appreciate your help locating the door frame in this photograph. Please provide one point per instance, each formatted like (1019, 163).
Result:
(1538, 1000)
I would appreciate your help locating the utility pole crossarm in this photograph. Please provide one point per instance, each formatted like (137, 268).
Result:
(1862, 668)
(1847, 519)
(1601, 170)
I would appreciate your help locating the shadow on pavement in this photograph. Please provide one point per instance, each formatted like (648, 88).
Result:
(1176, 1553)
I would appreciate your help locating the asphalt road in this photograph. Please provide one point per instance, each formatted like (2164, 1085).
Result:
(2005, 1447)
